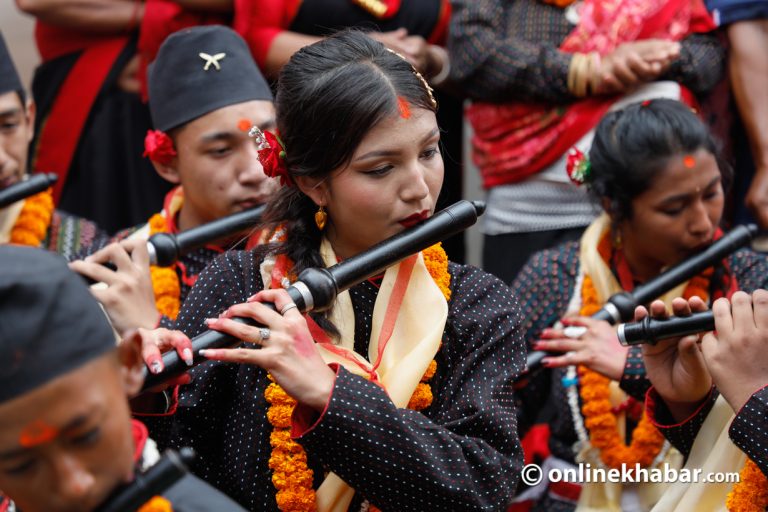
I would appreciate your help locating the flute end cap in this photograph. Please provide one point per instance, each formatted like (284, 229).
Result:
(479, 207)
(51, 178)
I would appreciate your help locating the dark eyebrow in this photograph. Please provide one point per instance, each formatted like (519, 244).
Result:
(217, 136)
(390, 152)
(683, 197)
(10, 112)
(76, 423)
(269, 124)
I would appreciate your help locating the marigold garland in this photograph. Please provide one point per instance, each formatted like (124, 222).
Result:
(31, 227)
(291, 475)
(157, 504)
(751, 493)
(600, 421)
(165, 281)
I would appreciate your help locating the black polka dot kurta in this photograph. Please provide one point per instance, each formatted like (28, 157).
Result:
(748, 430)
(544, 287)
(462, 453)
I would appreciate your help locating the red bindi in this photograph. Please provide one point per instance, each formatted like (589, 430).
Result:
(244, 125)
(689, 162)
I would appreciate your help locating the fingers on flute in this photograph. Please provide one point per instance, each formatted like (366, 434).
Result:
(236, 355)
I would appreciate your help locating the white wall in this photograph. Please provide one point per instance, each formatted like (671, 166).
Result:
(17, 29)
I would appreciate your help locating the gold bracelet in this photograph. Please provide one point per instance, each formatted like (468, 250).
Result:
(575, 59)
(594, 75)
(579, 63)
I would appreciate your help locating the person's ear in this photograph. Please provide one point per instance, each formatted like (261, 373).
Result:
(29, 113)
(131, 363)
(169, 172)
(316, 189)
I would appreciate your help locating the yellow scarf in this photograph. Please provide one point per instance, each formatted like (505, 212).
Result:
(406, 360)
(607, 496)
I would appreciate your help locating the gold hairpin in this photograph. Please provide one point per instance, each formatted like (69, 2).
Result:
(429, 89)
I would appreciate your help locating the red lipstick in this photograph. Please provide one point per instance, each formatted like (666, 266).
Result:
(414, 219)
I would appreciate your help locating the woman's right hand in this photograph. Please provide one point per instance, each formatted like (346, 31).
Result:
(152, 343)
(287, 351)
(155, 342)
(676, 366)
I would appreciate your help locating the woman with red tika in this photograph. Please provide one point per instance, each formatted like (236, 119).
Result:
(540, 75)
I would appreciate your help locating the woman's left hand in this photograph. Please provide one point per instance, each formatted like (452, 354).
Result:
(287, 350)
(598, 348)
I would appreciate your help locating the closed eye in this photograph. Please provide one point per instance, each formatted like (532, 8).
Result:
(430, 153)
(379, 171)
(87, 438)
(20, 469)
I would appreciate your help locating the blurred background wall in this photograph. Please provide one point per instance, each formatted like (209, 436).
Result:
(17, 30)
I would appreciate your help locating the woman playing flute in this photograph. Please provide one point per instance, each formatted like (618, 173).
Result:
(399, 397)
(655, 171)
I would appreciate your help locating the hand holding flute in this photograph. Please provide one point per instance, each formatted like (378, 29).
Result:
(595, 344)
(733, 357)
(127, 294)
(676, 366)
(316, 289)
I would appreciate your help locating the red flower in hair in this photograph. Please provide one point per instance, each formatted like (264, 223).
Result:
(578, 167)
(158, 146)
(272, 158)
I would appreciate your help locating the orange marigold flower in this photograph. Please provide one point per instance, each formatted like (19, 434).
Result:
(299, 500)
(280, 416)
(292, 479)
(288, 462)
(31, 226)
(431, 369)
(751, 493)
(599, 419)
(421, 398)
(165, 281)
(157, 504)
(276, 396)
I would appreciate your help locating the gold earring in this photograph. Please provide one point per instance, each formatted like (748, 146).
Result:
(320, 218)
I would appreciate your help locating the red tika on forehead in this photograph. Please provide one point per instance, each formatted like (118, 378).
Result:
(244, 125)
(404, 107)
(37, 433)
(689, 162)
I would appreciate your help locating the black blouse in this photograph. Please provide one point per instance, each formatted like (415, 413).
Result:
(462, 453)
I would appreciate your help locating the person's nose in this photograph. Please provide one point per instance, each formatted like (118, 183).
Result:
(700, 223)
(415, 187)
(74, 481)
(5, 158)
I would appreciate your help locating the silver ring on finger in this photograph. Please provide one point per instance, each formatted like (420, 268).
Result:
(574, 331)
(264, 334)
(569, 356)
(288, 307)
